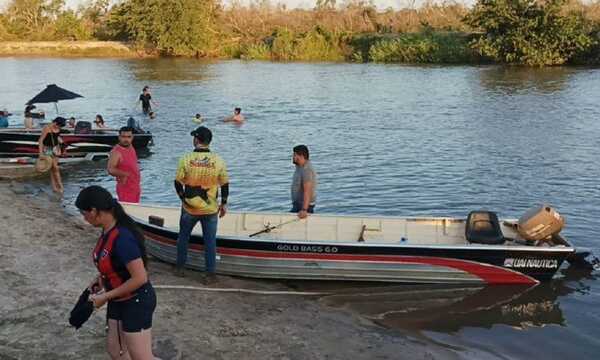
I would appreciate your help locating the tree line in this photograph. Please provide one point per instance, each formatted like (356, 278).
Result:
(528, 32)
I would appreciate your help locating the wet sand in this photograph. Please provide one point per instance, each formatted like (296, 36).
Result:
(45, 263)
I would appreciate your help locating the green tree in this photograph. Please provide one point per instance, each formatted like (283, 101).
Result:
(94, 16)
(173, 27)
(528, 32)
(33, 18)
(69, 27)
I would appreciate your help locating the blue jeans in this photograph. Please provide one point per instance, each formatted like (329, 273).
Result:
(296, 207)
(209, 223)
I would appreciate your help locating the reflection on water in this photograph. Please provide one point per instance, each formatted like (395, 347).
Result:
(426, 310)
(448, 309)
(170, 69)
(519, 80)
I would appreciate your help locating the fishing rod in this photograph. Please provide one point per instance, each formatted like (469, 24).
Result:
(269, 228)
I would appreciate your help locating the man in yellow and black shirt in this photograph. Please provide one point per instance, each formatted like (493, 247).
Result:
(199, 176)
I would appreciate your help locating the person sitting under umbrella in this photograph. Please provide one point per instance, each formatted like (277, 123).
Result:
(28, 122)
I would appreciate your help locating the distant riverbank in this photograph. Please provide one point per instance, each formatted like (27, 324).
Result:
(434, 48)
(70, 49)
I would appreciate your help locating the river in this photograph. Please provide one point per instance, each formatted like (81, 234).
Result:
(385, 140)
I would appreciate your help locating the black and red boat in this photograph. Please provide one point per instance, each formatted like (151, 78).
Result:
(16, 142)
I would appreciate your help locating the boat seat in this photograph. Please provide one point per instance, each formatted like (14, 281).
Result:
(483, 228)
(83, 127)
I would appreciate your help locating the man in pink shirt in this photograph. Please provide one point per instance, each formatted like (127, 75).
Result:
(123, 164)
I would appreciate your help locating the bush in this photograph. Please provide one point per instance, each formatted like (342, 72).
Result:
(282, 45)
(317, 45)
(528, 32)
(424, 47)
(259, 51)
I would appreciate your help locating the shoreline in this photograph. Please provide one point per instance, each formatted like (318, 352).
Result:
(45, 260)
(70, 49)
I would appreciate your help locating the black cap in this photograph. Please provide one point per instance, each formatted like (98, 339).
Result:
(203, 134)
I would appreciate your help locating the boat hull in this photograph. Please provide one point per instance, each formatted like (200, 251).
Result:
(20, 142)
(24, 167)
(469, 264)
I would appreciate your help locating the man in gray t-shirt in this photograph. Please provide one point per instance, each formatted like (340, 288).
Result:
(304, 183)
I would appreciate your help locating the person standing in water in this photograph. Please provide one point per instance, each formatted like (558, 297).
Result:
(51, 145)
(146, 100)
(237, 116)
(123, 165)
(304, 183)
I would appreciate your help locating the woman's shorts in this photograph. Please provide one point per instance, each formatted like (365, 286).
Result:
(136, 313)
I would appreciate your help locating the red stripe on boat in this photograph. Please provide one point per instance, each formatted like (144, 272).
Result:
(491, 274)
(27, 149)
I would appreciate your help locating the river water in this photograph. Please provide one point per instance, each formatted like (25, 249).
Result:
(385, 140)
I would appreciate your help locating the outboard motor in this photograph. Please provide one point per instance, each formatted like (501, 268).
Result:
(135, 126)
(83, 127)
(483, 228)
(540, 222)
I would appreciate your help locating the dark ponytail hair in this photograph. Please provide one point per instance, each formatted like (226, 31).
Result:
(97, 197)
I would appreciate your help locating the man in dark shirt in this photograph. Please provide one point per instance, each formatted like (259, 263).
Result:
(146, 100)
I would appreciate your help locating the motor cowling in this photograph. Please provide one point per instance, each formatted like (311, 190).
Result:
(540, 222)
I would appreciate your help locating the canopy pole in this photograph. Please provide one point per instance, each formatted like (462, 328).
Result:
(56, 107)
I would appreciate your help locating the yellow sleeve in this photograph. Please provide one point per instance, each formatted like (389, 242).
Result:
(180, 175)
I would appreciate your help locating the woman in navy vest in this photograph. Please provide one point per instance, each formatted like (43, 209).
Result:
(120, 257)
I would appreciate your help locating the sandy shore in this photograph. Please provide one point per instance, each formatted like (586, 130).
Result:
(69, 49)
(45, 263)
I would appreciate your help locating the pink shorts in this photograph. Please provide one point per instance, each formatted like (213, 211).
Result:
(128, 195)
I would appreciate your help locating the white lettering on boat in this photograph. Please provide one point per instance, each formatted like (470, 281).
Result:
(531, 263)
(307, 248)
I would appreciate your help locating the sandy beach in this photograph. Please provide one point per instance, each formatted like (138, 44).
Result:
(45, 264)
(69, 49)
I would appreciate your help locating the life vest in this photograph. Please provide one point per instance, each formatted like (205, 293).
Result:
(113, 274)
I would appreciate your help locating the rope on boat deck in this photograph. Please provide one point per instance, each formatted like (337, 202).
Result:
(238, 290)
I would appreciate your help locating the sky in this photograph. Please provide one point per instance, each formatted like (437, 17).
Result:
(381, 4)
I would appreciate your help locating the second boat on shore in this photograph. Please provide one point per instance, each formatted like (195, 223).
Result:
(16, 142)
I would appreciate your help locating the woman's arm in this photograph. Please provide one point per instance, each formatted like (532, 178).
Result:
(139, 277)
(41, 139)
